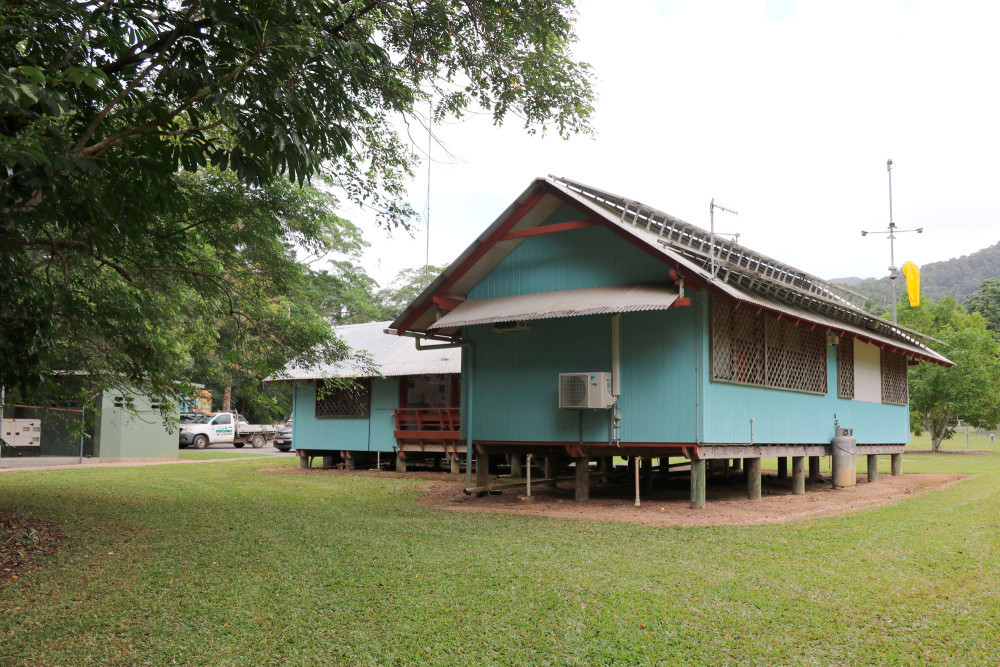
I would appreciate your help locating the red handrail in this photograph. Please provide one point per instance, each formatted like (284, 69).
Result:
(427, 419)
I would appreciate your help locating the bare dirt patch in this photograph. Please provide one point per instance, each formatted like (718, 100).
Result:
(669, 503)
(23, 543)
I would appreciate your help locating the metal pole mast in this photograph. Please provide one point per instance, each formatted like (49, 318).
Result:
(893, 270)
(711, 221)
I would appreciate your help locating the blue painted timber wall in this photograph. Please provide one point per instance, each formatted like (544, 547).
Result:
(790, 417)
(592, 257)
(666, 392)
(374, 433)
(516, 385)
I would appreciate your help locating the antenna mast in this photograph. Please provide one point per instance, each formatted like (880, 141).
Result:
(711, 217)
(891, 232)
(427, 206)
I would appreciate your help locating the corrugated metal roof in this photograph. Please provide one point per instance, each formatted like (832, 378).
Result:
(565, 303)
(392, 355)
(740, 273)
(769, 283)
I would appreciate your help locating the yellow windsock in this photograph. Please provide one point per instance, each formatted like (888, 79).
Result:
(912, 273)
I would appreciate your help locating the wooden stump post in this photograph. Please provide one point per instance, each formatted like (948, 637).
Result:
(813, 467)
(782, 467)
(753, 478)
(798, 475)
(582, 479)
(400, 462)
(738, 465)
(697, 484)
(349, 462)
(327, 461)
(872, 468)
(897, 464)
(516, 470)
(304, 461)
(551, 469)
(727, 468)
(456, 464)
(482, 469)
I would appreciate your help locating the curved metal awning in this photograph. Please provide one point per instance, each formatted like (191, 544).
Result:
(564, 303)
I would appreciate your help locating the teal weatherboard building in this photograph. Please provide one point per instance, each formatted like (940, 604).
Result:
(593, 326)
(400, 401)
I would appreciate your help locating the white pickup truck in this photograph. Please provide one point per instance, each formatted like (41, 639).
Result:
(226, 428)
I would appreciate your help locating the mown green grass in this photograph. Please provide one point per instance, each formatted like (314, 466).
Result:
(236, 565)
(958, 442)
(202, 454)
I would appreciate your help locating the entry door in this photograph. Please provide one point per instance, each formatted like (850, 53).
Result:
(222, 428)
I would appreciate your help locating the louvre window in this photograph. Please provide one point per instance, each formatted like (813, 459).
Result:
(845, 368)
(333, 402)
(761, 350)
(894, 378)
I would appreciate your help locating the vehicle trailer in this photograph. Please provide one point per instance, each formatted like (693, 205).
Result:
(224, 428)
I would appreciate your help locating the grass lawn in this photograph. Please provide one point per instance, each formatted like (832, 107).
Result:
(202, 454)
(234, 565)
(958, 442)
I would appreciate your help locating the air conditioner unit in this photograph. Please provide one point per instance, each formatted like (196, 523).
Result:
(585, 391)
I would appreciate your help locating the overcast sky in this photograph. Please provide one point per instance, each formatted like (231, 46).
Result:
(783, 110)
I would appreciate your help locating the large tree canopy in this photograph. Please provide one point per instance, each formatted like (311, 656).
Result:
(986, 302)
(939, 396)
(105, 246)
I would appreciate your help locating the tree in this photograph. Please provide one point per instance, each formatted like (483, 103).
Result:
(968, 391)
(986, 302)
(103, 103)
(404, 288)
(208, 294)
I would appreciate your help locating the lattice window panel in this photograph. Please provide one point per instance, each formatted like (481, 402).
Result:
(845, 368)
(737, 344)
(796, 357)
(764, 351)
(894, 378)
(333, 402)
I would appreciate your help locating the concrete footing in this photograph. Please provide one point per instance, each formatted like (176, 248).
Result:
(897, 464)
(516, 469)
(798, 475)
(582, 479)
(753, 478)
(872, 468)
(813, 467)
(482, 469)
(698, 484)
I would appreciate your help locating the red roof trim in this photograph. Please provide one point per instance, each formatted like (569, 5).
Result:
(526, 205)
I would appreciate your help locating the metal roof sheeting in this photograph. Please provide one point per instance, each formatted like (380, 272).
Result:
(565, 303)
(740, 273)
(392, 355)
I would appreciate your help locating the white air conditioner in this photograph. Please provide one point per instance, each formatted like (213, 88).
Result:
(585, 391)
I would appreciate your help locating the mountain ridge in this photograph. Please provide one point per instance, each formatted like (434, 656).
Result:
(958, 277)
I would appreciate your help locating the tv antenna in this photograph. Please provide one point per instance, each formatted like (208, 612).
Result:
(427, 205)
(711, 217)
(891, 232)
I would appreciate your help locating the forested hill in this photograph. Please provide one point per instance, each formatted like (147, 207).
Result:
(958, 277)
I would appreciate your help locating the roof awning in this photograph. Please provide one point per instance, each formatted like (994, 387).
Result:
(565, 303)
